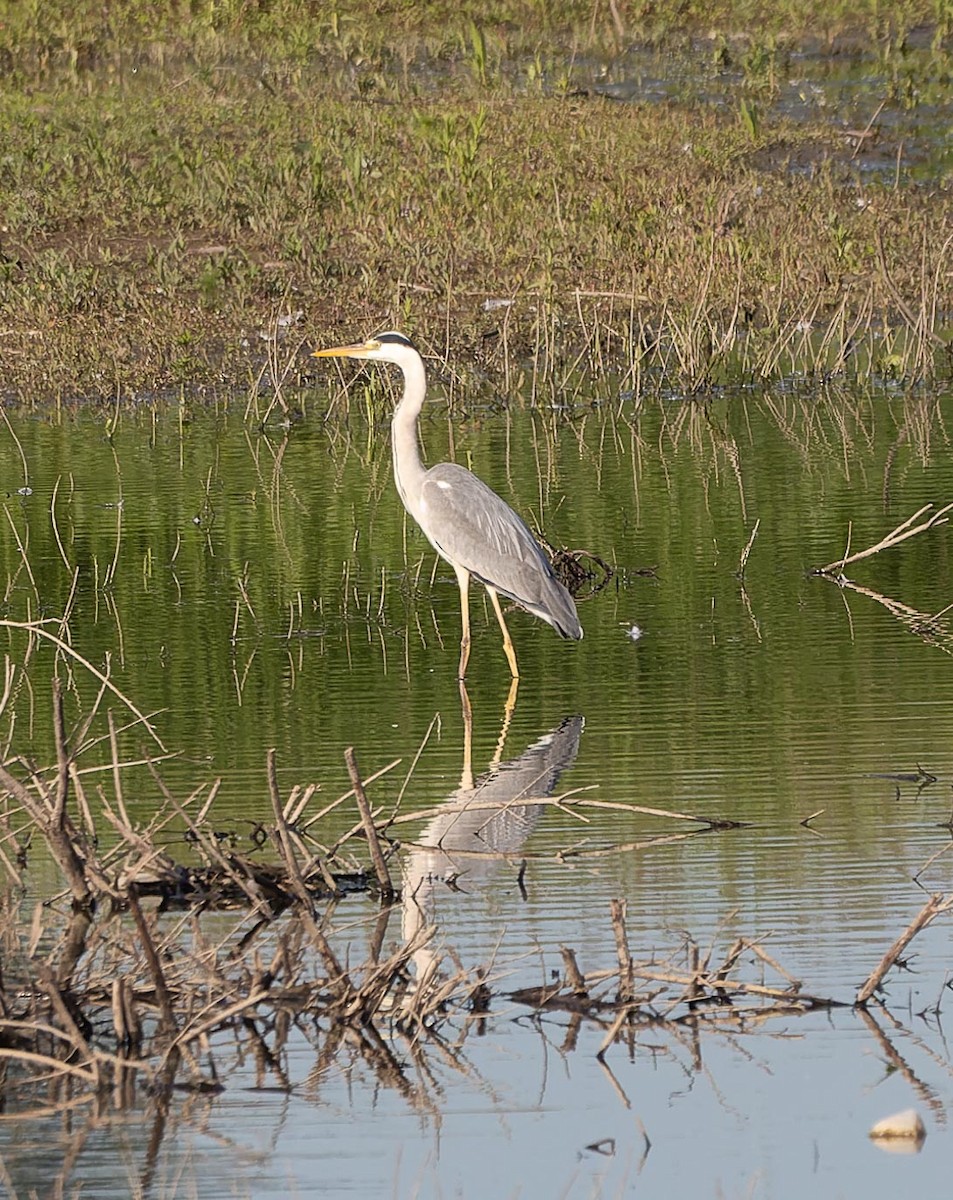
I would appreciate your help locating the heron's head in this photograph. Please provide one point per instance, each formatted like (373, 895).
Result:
(383, 347)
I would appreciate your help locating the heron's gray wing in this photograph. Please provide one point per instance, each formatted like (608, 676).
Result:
(473, 528)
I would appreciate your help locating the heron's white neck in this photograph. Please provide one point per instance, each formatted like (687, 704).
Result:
(409, 468)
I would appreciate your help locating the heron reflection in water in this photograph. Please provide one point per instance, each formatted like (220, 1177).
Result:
(483, 822)
(466, 522)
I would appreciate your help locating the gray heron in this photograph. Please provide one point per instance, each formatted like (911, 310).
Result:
(465, 521)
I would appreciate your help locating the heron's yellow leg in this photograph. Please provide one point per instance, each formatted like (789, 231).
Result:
(508, 649)
(463, 578)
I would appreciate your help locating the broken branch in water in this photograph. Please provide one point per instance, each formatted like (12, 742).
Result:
(934, 906)
(906, 529)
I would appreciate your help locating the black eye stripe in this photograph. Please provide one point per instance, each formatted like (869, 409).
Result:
(390, 338)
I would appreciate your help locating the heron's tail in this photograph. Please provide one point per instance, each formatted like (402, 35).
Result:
(559, 609)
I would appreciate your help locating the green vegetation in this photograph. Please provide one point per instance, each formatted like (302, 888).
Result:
(254, 591)
(174, 179)
(56, 33)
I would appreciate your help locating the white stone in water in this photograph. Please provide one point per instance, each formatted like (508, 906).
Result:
(907, 1125)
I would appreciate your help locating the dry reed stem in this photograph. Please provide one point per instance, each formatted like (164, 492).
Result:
(35, 628)
(583, 851)
(232, 988)
(284, 837)
(617, 910)
(937, 854)
(694, 984)
(59, 842)
(568, 802)
(208, 844)
(168, 1023)
(338, 976)
(320, 815)
(126, 1023)
(57, 1066)
(917, 322)
(67, 1024)
(757, 949)
(381, 978)
(367, 823)
(49, 811)
(220, 1018)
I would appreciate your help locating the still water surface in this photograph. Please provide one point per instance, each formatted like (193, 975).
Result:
(263, 589)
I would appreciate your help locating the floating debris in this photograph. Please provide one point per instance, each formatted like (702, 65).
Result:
(905, 1130)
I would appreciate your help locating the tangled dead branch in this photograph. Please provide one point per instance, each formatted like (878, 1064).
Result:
(123, 984)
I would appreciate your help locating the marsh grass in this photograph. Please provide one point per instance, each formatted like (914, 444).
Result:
(172, 191)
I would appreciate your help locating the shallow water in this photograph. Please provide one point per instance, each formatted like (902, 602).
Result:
(258, 590)
(887, 111)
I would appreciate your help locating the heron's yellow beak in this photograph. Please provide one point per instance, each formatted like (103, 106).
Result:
(358, 350)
